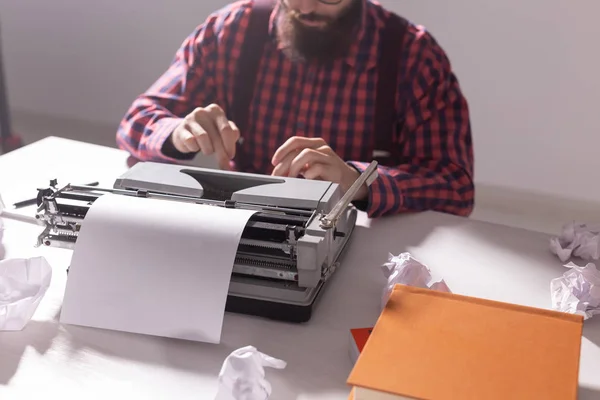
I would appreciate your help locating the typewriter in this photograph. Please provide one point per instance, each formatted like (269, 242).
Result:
(288, 250)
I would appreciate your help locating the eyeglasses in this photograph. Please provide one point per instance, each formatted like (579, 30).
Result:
(328, 2)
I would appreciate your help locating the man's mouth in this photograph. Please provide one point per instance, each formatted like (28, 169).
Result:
(312, 20)
(313, 23)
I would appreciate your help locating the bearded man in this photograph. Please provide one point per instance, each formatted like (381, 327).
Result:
(315, 89)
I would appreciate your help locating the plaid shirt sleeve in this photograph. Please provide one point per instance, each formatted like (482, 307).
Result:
(153, 116)
(435, 169)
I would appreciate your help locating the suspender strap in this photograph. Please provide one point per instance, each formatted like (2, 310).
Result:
(257, 35)
(392, 39)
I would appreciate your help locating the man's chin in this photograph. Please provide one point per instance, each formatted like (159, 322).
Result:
(317, 39)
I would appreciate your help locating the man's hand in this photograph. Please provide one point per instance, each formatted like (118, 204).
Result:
(207, 130)
(314, 159)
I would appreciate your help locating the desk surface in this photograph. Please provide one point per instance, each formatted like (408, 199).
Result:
(55, 361)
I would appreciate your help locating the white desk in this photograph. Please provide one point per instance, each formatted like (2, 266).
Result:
(48, 360)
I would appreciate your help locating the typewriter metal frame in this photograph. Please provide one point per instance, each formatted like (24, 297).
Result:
(288, 250)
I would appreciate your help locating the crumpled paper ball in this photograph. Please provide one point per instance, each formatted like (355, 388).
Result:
(23, 284)
(406, 270)
(577, 291)
(577, 240)
(1, 222)
(1, 229)
(242, 376)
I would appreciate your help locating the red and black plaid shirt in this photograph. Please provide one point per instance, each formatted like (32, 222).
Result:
(434, 169)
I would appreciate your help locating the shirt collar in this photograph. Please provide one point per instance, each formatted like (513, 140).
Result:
(362, 53)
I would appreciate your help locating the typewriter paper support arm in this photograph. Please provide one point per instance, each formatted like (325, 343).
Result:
(329, 221)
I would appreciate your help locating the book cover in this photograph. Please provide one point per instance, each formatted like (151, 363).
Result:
(358, 339)
(435, 345)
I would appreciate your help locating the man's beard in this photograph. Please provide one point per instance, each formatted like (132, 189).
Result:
(321, 44)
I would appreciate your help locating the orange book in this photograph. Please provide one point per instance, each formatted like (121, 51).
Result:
(435, 345)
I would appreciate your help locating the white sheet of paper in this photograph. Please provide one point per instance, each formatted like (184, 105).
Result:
(153, 267)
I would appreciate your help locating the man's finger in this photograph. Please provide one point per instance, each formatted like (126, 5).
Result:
(230, 137)
(295, 143)
(226, 128)
(205, 119)
(317, 171)
(187, 140)
(283, 168)
(202, 137)
(308, 157)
